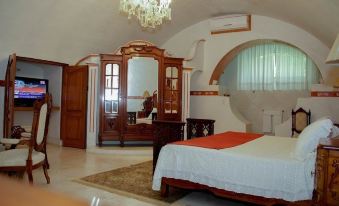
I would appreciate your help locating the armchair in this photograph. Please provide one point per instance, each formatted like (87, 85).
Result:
(300, 119)
(27, 159)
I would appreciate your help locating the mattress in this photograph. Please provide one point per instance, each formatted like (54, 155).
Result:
(262, 167)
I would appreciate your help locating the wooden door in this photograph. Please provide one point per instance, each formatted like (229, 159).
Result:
(9, 96)
(74, 106)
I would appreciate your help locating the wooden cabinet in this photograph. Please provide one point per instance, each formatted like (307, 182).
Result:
(166, 132)
(327, 173)
(127, 106)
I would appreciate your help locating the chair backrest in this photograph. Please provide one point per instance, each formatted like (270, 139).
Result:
(42, 110)
(199, 127)
(300, 120)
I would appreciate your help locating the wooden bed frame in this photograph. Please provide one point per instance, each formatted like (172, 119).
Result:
(184, 184)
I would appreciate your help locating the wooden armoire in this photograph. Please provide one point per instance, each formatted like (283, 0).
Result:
(118, 121)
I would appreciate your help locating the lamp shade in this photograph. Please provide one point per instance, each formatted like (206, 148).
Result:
(333, 56)
(146, 94)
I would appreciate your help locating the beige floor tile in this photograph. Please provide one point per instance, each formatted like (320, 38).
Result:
(67, 164)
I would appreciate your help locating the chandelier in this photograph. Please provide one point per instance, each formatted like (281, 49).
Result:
(150, 13)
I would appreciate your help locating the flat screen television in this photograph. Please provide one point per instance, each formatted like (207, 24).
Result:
(27, 90)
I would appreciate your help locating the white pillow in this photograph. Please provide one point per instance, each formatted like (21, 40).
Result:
(335, 131)
(308, 139)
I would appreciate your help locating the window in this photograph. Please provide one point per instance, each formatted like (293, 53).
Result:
(273, 66)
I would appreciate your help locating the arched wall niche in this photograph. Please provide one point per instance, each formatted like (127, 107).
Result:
(226, 60)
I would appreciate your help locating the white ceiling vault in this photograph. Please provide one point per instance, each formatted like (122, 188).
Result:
(67, 30)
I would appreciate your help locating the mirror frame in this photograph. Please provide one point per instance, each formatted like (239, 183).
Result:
(157, 78)
(141, 51)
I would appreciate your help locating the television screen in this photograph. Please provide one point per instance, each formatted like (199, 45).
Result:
(27, 90)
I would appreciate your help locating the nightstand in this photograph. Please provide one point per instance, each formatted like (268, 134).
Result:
(327, 172)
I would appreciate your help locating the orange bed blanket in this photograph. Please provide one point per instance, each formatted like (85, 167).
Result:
(221, 141)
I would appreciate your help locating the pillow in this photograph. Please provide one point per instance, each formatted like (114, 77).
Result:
(308, 139)
(334, 132)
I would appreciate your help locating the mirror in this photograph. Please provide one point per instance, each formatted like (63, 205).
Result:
(142, 90)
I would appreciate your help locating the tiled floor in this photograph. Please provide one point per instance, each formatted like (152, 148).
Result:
(67, 164)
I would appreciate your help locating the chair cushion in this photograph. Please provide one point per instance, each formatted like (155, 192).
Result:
(18, 157)
(9, 141)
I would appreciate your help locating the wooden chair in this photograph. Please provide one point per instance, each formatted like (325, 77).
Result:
(199, 127)
(27, 159)
(300, 120)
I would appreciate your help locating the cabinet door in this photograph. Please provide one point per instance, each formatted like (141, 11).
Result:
(9, 96)
(110, 102)
(172, 91)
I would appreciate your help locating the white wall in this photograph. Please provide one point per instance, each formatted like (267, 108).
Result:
(216, 46)
(319, 107)
(219, 109)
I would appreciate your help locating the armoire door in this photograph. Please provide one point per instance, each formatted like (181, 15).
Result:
(74, 106)
(9, 96)
(111, 100)
(172, 89)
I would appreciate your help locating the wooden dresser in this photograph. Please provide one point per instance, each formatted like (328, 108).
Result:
(327, 172)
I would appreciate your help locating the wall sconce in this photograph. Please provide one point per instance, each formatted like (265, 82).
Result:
(333, 56)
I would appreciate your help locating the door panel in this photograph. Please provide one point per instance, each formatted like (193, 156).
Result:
(74, 106)
(9, 96)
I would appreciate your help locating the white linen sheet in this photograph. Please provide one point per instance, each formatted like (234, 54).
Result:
(143, 120)
(262, 167)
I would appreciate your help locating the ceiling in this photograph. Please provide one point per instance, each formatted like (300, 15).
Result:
(97, 26)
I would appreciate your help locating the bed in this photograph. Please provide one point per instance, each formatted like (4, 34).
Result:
(265, 170)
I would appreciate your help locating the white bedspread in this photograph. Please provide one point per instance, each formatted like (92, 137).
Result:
(262, 167)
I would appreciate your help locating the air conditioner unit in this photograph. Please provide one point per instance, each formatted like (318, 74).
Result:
(230, 23)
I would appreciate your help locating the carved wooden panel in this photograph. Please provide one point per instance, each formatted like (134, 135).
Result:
(327, 173)
(199, 127)
(111, 124)
(333, 181)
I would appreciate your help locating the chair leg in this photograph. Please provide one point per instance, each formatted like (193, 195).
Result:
(47, 163)
(46, 166)
(30, 175)
(29, 169)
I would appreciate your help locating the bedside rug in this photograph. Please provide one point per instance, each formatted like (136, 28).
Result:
(134, 181)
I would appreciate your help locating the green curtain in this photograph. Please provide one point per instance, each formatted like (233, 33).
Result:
(275, 66)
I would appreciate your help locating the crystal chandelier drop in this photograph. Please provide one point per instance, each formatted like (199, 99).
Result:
(150, 13)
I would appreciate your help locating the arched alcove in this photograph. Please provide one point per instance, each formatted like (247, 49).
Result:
(227, 58)
(254, 104)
